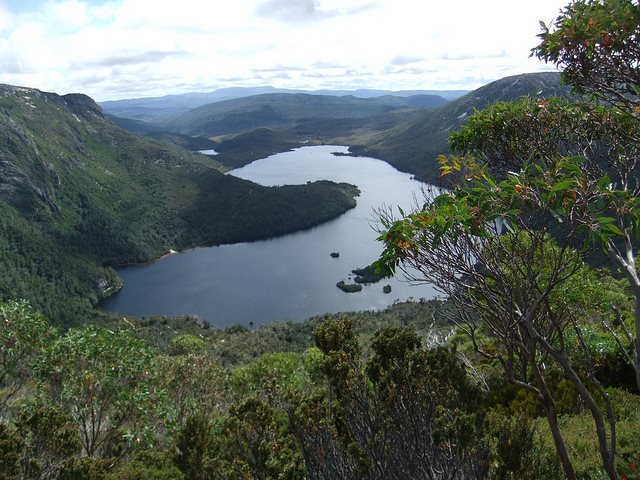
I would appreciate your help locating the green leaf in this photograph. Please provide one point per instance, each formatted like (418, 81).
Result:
(612, 229)
(564, 185)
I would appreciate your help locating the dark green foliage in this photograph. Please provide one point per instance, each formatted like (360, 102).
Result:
(407, 413)
(262, 441)
(83, 468)
(511, 449)
(250, 441)
(192, 448)
(11, 445)
(148, 465)
(51, 439)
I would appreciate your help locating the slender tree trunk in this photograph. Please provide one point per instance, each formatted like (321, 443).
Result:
(552, 419)
(607, 447)
(630, 270)
(636, 346)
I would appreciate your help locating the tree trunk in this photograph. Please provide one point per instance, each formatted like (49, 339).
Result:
(552, 419)
(636, 346)
(630, 270)
(607, 448)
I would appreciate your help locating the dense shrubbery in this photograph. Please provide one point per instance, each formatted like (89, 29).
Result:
(367, 401)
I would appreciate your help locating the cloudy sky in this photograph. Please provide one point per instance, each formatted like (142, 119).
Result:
(137, 48)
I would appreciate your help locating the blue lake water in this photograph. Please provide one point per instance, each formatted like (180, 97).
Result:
(291, 277)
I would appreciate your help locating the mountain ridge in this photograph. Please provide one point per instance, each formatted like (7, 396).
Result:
(413, 144)
(284, 110)
(158, 110)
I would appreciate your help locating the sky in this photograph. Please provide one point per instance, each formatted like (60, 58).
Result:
(140, 48)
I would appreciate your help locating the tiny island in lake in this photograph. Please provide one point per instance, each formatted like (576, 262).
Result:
(367, 275)
(349, 287)
(364, 275)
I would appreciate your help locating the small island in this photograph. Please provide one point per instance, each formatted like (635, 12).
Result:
(367, 275)
(349, 287)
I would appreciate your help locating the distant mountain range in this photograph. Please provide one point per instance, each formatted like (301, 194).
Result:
(155, 112)
(286, 111)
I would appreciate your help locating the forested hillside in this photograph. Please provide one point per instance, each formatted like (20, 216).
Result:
(153, 113)
(413, 144)
(285, 111)
(78, 195)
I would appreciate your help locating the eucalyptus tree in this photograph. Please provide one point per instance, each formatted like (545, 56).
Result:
(562, 179)
(23, 334)
(596, 44)
(105, 382)
(487, 245)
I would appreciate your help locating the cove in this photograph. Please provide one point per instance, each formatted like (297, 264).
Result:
(292, 277)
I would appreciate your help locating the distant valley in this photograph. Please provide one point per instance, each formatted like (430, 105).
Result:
(408, 129)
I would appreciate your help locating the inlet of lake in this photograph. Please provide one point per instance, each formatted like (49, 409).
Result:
(291, 277)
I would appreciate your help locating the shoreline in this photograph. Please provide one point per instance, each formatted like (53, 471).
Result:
(170, 253)
(208, 245)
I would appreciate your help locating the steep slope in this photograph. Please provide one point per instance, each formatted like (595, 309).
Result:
(283, 111)
(414, 144)
(78, 194)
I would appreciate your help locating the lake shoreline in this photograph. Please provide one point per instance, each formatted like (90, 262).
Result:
(173, 252)
(288, 277)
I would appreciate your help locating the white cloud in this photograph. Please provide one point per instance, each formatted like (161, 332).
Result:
(130, 48)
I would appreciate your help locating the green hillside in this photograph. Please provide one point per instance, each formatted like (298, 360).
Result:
(78, 195)
(151, 113)
(281, 110)
(413, 144)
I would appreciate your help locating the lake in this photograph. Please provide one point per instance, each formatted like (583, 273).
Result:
(291, 277)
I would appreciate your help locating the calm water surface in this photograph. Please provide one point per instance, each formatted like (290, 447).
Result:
(286, 278)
